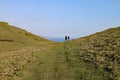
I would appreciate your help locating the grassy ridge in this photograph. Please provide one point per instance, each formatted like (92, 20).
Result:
(19, 49)
(96, 57)
(12, 37)
(24, 56)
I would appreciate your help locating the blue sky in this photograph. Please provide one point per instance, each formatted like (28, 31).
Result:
(57, 18)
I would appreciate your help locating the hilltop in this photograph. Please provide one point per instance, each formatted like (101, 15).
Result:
(12, 37)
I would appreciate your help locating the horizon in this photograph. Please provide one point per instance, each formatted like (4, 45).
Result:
(59, 18)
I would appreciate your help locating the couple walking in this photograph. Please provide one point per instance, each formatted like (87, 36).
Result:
(67, 38)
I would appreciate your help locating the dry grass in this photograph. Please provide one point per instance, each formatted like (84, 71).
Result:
(12, 63)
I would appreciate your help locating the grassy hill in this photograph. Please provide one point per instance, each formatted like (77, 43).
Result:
(24, 56)
(19, 50)
(96, 57)
(12, 37)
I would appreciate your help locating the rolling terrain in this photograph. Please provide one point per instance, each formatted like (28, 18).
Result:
(96, 57)
(24, 56)
(12, 37)
(19, 49)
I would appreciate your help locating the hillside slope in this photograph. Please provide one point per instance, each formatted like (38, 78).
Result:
(99, 53)
(94, 57)
(12, 37)
(19, 51)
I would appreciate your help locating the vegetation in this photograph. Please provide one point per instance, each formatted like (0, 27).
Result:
(13, 38)
(19, 49)
(24, 56)
(96, 57)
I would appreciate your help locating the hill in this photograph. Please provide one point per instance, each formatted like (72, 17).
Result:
(94, 57)
(99, 53)
(19, 51)
(12, 37)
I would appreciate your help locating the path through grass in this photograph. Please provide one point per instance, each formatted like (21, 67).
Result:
(52, 65)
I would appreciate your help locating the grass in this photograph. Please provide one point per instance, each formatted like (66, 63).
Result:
(52, 66)
(96, 56)
(12, 37)
(24, 56)
(13, 64)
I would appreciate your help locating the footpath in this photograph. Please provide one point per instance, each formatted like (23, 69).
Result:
(52, 65)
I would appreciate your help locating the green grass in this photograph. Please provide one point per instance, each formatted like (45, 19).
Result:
(24, 56)
(96, 57)
(52, 65)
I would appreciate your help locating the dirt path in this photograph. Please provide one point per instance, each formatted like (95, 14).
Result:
(52, 65)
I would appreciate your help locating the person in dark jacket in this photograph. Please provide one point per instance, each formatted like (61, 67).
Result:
(68, 37)
(65, 38)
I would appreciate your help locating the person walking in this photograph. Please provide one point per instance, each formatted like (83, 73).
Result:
(65, 38)
(68, 37)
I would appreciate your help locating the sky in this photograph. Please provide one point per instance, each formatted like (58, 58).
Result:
(57, 18)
